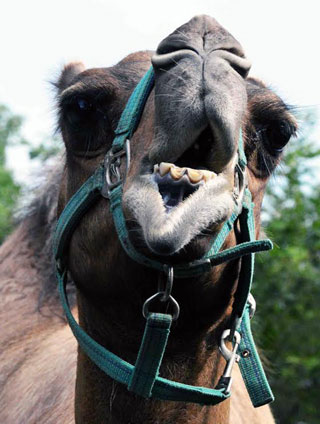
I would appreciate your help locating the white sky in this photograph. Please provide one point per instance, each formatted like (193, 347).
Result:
(280, 37)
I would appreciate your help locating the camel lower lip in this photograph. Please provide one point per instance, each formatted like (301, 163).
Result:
(169, 224)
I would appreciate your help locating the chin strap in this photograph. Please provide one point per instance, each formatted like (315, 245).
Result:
(143, 378)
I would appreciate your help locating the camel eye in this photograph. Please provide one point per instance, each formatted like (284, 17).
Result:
(84, 121)
(83, 104)
(80, 113)
(276, 135)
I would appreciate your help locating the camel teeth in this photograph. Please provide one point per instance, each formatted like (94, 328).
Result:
(164, 168)
(208, 175)
(176, 172)
(194, 175)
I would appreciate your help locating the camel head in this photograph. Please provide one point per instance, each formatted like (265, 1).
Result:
(182, 182)
(186, 177)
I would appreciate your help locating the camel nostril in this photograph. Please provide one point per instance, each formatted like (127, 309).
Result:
(236, 60)
(170, 55)
(235, 50)
(173, 44)
(199, 39)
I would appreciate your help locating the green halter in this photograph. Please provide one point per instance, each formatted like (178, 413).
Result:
(143, 378)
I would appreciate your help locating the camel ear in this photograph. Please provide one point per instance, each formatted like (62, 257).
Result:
(67, 75)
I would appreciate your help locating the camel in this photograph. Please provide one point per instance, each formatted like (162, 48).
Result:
(180, 187)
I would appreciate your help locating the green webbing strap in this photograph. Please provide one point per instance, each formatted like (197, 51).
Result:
(77, 206)
(122, 371)
(188, 270)
(250, 366)
(150, 354)
(247, 266)
(246, 249)
(115, 198)
(143, 378)
(222, 235)
(89, 193)
(242, 160)
(131, 115)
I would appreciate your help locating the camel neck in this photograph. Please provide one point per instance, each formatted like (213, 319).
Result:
(191, 357)
(101, 400)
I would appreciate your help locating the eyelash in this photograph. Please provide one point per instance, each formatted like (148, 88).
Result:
(274, 137)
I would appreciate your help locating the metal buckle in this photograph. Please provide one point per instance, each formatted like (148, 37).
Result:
(239, 183)
(112, 164)
(171, 301)
(231, 357)
(164, 296)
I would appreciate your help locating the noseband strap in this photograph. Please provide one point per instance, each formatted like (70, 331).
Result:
(143, 378)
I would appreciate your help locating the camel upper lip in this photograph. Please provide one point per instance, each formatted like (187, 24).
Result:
(196, 155)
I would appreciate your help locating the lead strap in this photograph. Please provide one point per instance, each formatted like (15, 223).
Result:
(150, 354)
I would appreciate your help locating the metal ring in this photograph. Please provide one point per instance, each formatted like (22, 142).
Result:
(112, 164)
(227, 353)
(159, 295)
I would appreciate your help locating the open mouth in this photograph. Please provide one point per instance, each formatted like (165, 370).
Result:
(177, 182)
(176, 202)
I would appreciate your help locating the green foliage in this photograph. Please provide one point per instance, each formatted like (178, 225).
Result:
(10, 126)
(10, 135)
(47, 149)
(288, 287)
(9, 192)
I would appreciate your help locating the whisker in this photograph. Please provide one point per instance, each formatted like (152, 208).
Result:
(266, 164)
(181, 33)
(88, 143)
(175, 76)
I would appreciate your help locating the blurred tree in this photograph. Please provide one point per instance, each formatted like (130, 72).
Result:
(288, 285)
(49, 148)
(10, 126)
(10, 135)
